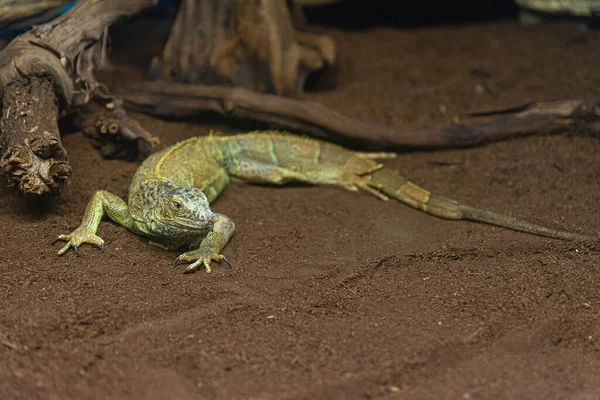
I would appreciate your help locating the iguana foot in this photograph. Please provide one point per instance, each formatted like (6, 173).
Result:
(77, 238)
(202, 256)
(354, 182)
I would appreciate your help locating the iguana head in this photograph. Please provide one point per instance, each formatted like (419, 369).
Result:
(170, 211)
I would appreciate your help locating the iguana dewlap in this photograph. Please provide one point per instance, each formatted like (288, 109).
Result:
(170, 194)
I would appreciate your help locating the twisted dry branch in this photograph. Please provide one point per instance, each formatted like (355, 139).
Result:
(173, 100)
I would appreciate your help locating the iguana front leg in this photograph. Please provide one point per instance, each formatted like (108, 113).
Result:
(211, 246)
(102, 202)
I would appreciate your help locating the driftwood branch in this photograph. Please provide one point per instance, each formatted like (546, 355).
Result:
(44, 74)
(172, 100)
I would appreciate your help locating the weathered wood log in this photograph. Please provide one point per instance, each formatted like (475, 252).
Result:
(35, 160)
(44, 74)
(172, 100)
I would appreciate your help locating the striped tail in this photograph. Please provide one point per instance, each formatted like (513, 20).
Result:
(401, 189)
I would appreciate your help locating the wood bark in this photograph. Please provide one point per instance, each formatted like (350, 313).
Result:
(44, 74)
(21, 14)
(251, 44)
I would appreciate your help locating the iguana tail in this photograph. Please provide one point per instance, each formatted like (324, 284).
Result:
(401, 189)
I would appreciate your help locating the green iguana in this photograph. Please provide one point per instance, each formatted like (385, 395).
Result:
(171, 192)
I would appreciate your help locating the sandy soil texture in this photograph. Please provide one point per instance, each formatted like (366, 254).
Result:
(334, 294)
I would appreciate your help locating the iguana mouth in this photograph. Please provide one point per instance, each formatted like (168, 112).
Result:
(177, 227)
(190, 224)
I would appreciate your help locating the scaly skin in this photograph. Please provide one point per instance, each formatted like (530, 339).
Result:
(170, 194)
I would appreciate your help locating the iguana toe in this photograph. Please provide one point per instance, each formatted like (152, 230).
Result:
(355, 182)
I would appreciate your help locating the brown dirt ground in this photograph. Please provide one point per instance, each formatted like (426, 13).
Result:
(455, 310)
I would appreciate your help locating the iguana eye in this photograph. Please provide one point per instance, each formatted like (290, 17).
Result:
(176, 204)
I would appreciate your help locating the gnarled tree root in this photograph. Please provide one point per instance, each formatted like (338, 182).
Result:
(251, 44)
(172, 100)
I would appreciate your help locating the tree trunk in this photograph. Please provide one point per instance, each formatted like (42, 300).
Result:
(251, 44)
